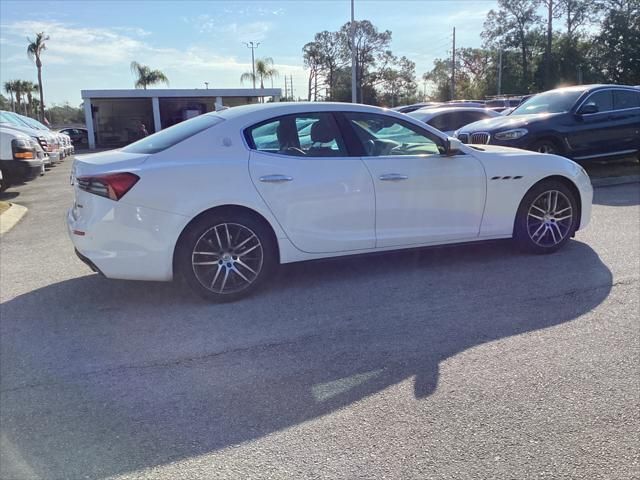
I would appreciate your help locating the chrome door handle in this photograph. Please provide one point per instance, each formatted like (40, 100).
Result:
(276, 178)
(392, 177)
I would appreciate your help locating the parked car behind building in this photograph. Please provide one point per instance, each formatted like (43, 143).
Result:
(78, 135)
(581, 122)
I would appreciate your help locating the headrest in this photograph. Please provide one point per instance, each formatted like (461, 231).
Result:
(287, 135)
(322, 132)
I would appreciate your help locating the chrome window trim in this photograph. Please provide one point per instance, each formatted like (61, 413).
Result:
(611, 89)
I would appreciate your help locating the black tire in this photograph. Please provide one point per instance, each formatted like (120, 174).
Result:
(527, 228)
(223, 262)
(546, 145)
(4, 181)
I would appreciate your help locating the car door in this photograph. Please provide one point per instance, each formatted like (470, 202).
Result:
(422, 195)
(626, 114)
(322, 197)
(593, 131)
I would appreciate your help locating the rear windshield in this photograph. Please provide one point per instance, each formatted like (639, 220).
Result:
(173, 135)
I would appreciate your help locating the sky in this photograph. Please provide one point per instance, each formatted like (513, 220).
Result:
(92, 43)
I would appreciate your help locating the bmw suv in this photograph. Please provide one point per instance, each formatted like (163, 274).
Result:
(581, 122)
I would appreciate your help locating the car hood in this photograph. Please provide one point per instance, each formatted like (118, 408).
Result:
(483, 150)
(506, 122)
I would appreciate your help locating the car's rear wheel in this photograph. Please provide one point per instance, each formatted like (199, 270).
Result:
(224, 257)
(547, 218)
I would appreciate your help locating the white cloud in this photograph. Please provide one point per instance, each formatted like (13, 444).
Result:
(79, 57)
(242, 32)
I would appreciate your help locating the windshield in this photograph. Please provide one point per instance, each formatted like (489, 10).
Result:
(171, 136)
(419, 115)
(555, 101)
(7, 117)
(33, 123)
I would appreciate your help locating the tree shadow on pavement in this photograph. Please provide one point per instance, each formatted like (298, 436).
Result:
(105, 377)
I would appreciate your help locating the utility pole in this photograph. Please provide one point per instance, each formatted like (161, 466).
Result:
(453, 67)
(206, 85)
(291, 86)
(354, 70)
(500, 72)
(285, 88)
(253, 46)
(579, 74)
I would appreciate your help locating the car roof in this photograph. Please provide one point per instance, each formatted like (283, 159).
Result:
(591, 87)
(284, 108)
(461, 108)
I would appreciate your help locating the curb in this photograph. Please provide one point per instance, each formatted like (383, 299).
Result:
(611, 181)
(11, 217)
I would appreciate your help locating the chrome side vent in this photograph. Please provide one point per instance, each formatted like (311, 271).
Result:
(508, 177)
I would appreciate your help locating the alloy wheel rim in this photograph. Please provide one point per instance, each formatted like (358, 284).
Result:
(227, 258)
(549, 218)
(546, 148)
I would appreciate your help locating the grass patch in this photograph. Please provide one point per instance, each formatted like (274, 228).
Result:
(4, 206)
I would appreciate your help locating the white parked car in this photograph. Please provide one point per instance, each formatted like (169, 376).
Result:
(450, 119)
(61, 139)
(223, 198)
(47, 141)
(19, 160)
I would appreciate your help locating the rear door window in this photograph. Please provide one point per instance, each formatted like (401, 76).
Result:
(625, 99)
(301, 135)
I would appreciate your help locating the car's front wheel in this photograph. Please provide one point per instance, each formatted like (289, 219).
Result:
(226, 256)
(546, 146)
(547, 217)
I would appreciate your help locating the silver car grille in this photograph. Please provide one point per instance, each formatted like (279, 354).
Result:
(463, 137)
(480, 138)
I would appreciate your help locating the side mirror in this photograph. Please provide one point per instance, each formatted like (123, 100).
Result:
(588, 109)
(453, 146)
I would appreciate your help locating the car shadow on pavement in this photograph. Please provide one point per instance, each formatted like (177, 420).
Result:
(624, 195)
(105, 377)
(6, 195)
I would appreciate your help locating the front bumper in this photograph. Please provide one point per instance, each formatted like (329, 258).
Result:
(17, 171)
(55, 157)
(522, 142)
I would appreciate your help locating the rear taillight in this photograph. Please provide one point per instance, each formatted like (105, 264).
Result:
(111, 185)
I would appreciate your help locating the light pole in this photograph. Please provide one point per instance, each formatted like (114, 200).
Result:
(354, 71)
(206, 85)
(253, 46)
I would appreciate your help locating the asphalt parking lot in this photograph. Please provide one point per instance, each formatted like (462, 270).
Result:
(460, 362)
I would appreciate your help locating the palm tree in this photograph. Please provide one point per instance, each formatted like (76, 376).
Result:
(264, 71)
(16, 88)
(29, 88)
(34, 51)
(9, 88)
(146, 76)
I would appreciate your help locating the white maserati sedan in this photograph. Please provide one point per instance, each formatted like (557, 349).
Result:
(225, 197)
